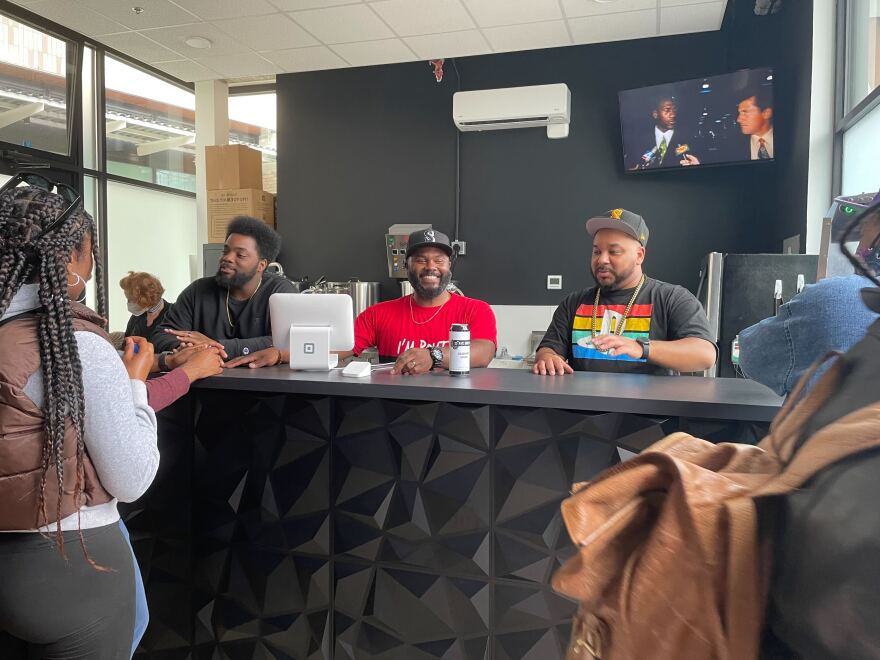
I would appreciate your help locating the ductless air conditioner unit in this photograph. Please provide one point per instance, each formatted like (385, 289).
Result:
(514, 107)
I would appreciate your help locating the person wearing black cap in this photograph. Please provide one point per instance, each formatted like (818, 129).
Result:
(628, 322)
(414, 330)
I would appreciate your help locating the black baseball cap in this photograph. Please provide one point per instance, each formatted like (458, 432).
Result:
(428, 238)
(620, 220)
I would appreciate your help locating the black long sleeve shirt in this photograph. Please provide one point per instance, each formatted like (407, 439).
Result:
(202, 307)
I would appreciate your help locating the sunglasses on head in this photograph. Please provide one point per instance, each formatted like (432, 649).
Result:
(67, 193)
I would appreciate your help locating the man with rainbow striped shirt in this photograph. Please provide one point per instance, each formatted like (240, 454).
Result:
(628, 322)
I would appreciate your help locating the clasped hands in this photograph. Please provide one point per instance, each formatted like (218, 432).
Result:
(549, 363)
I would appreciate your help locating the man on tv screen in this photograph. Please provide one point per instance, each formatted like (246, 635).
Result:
(666, 145)
(755, 119)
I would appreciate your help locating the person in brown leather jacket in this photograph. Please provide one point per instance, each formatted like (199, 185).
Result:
(76, 435)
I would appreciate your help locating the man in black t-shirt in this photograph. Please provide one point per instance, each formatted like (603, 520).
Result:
(628, 322)
(229, 311)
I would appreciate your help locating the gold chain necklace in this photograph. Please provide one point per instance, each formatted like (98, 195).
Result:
(228, 315)
(413, 318)
(619, 329)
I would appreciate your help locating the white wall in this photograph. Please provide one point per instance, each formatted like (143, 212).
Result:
(819, 170)
(148, 231)
(516, 322)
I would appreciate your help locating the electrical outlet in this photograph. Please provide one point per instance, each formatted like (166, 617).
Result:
(460, 247)
(554, 282)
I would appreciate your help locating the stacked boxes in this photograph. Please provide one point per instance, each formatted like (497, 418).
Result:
(234, 175)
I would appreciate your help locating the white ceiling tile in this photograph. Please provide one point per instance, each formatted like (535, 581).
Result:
(297, 5)
(305, 59)
(187, 70)
(343, 24)
(614, 27)
(449, 44)
(243, 64)
(691, 18)
(528, 36)
(491, 13)
(368, 53)
(575, 8)
(157, 13)
(274, 32)
(139, 47)
(76, 17)
(174, 38)
(413, 17)
(212, 10)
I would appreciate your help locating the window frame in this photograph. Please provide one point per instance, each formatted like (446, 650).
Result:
(70, 168)
(843, 119)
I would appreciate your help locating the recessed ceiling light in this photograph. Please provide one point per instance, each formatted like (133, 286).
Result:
(603, 2)
(198, 42)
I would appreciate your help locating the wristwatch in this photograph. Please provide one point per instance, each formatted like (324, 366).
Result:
(163, 366)
(436, 356)
(646, 346)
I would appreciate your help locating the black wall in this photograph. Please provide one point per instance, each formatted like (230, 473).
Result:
(361, 149)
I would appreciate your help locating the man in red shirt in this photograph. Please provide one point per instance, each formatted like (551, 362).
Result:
(414, 329)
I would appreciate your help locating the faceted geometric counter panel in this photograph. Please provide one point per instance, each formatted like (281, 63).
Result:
(160, 527)
(412, 484)
(262, 570)
(311, 528)
(388, 614)
(539, 454)
(531, 623)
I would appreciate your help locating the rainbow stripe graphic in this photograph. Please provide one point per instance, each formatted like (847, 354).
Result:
(638, 324)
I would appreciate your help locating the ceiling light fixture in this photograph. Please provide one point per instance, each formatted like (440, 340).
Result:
(198, 42)
(138, 10)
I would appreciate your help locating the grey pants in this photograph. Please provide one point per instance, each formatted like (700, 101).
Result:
(52, 609)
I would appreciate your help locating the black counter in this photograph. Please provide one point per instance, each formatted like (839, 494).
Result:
(689, 396)
(313, 516)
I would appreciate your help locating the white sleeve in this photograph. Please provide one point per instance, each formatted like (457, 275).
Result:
(120, 428)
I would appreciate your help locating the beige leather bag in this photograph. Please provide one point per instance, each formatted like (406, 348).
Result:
(670, 564)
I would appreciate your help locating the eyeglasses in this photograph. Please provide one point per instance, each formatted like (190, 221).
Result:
(67, 193)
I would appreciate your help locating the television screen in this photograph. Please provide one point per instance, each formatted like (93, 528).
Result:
(706, 121)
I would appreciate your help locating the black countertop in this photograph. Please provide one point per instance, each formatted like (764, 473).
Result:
(680, 396)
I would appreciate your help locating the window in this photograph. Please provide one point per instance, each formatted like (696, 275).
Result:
(148, 231)
(862, 50)
(252, 122)
(33, 88)
(150, 126)
(861, 144)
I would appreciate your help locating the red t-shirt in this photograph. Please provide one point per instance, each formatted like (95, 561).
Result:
(400, 324)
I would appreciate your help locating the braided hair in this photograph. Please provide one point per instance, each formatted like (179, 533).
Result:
(27, 255)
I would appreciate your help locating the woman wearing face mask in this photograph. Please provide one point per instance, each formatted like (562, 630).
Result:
(76, 435)
(148, 309)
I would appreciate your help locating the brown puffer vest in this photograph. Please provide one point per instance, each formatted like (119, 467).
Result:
(22, 431)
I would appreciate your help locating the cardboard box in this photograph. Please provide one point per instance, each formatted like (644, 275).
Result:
(233, 167)
(224, 205)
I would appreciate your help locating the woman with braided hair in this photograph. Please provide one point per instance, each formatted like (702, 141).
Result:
(76, 435)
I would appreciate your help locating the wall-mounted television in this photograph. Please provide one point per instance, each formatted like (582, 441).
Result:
(719, 120)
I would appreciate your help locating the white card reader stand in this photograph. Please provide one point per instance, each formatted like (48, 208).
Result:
(310, 348)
